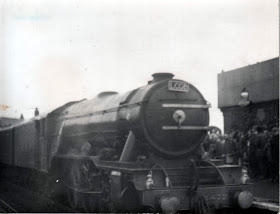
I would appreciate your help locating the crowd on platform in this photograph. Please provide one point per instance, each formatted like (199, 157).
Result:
(258, 149)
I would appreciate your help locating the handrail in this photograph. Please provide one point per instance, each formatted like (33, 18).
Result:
(165, 172)
(210, 163)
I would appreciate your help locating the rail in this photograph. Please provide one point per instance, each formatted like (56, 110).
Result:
(266, 204)
(6, 207)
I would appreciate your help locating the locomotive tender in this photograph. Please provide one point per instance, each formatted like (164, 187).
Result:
(134, 152)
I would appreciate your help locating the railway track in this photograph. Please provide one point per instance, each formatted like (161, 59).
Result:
(14, 198)
(6, 208)
(49, 201)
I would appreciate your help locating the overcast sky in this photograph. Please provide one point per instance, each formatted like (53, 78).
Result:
(53, 52)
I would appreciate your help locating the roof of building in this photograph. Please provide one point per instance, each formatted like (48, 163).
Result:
(9, 118)
(260, 80)
(7, 121)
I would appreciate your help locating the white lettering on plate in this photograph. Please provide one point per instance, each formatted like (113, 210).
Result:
(175, 85)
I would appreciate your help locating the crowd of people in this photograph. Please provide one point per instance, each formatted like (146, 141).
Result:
(258, 149)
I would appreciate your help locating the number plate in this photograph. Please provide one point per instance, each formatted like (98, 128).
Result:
(175, 85)
(216, 197)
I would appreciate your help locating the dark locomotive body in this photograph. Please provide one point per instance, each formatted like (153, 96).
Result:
(138, 151)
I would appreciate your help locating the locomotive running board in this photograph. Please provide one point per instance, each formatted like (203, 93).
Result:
(172, 105)
(185, 127)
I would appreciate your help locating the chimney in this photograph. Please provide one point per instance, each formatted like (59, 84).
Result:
(160, 77)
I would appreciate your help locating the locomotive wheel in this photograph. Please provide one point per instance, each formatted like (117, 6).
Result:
(73, 183)
(130, 199)
(90, 203)
(148, 209)
(82, 202)
(107, 207)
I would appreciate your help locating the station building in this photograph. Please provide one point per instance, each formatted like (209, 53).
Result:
(249, 96)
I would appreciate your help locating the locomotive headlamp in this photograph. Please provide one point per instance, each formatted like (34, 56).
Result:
(167, 181)
(244, 177)
(150, 181)
(128, 116)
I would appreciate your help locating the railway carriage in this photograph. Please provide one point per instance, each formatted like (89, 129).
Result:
(133, 152)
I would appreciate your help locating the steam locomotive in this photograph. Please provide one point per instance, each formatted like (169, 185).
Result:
(133, 152)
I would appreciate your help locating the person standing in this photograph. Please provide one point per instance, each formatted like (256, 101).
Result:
(274, 144)
(36, 112)
(260, 141)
